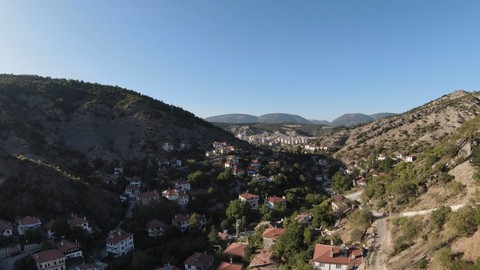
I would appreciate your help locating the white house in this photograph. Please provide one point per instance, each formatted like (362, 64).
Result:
(275, 202)
(250, 198)
(182, 184)
(6, 228)
(156, 228)
(181, 221)
(119, 243)
(51, 259)
(199, 261)
(70, 249)
(134, 181)
(80, 223)
(28, 223)
(326, 257)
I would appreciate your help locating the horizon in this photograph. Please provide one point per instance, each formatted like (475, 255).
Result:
(318, 60)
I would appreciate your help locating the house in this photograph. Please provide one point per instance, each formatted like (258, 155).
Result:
(51, 259)
(87, 266)
(168, 266)
(182, 184)
(171, 194)
(156, 228)
(326, 257)
(183, 198)
(82, 223)
(134, 181)
(132, 191)
(263, 260)
(251, 199)
(304, 219)
(236, 249)
(275, 202)
(199, 261)
(28, 223)
(270, 236)
(49, 228)
(6, 228)
(182, 222)
(167, 146)
(229, 266)
(119, 243)
(149, 196)
(70, 249)
(339, 203)
(410, 159)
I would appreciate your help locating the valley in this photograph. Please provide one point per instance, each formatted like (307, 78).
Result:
(129, 182)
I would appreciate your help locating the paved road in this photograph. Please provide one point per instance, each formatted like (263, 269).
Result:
(8, 263)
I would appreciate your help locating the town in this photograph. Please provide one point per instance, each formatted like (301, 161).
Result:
(230, 209)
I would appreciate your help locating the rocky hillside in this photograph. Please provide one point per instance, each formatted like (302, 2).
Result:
(409, 133)
(61, 121)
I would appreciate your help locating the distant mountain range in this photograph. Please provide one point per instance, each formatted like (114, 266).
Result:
(351, 119)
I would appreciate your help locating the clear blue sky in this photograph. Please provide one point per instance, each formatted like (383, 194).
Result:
(318, 59)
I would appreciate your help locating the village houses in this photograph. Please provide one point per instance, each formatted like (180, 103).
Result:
(199, 261)
(119, 243)
(327, 257)
(51, 259)
(28, 223)
(250, 198)
(6, 228)
(156, 228)
(270, 236)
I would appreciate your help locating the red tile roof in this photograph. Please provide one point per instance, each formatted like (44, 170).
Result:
(229, 266)
(338, 198)
(180, 218)
(200, 260)
(117, 236)
(48, 255)
(5, 225)
(149, 195)
(263, 258)
(168, 267)
(29, 220)
(333, 255)
(276, 199)
(156, 224)
(66, 246)
(273, 232)
(89, 266)
(170, 192)
(237, 249)
(76, 221)
(247, 195)
(49, 225)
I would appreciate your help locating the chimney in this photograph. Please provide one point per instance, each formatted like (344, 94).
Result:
(231, 260)
(331, 253)
(331, 242)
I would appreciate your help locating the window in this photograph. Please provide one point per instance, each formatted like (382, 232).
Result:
(338, 266)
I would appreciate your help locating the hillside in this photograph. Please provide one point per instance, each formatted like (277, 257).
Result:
(234, 118)
(352, 119)
(282, 118)
(51, 119)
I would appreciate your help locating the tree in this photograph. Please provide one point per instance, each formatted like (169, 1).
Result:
(438, 217)
(237, 209)
(213, 235)
(194, 221)
(290, 242)
(341, 182)
(322, 215)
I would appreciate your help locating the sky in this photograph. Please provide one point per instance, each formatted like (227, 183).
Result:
(317, 59)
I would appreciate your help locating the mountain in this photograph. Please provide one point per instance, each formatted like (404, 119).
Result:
(352, 119)
(319, 122)
(377, 116)
(271, 118)
(66, 121)
(282, 118)
(233, 118)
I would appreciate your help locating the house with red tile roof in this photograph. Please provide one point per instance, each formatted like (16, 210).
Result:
(270, 236)
(182, 184)
(149, 196)
(119, 243)
(171, 194)
(199, 261)
(168, 266)
(236, 249)
(339, 203)
(82, 223)
(275, 202)
(156, 228)
(28, 223)
(132, 191)
(250, 198)
(51, 259)
(70, 249)
(229, 266)
(326, 257)
(263, 260)
(6, 228)
(134, 181)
